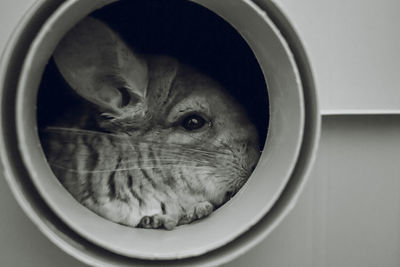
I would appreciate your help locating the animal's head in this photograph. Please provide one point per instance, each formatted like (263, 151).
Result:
(194, 125)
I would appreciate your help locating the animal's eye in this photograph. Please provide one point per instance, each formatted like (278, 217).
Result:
(193, 122)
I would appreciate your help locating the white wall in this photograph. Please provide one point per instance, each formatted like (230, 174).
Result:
(354, 49)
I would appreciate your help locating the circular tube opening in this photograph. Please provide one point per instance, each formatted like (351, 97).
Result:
(254, 200)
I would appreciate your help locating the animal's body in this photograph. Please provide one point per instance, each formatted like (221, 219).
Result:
(157, 144)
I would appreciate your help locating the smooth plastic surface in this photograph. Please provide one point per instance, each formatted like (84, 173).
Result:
(62, 235)
(353, 48)
(348, 213)
(353, 189)
(253, 201)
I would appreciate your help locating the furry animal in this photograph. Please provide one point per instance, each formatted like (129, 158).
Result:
(156, 143)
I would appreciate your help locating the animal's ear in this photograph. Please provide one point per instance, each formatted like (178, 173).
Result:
(100, 67)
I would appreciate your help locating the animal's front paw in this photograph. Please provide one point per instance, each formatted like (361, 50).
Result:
(197, 211)
(189, 216)
(157, 221)
(203, 209)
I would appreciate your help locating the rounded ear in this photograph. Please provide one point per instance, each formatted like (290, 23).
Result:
(100, 67)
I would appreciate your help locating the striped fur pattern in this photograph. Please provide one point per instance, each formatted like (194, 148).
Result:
(170, 144)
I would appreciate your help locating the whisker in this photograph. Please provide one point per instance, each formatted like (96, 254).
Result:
(178, 147)
(181, 152)
(126, 139)
(167, 160)
(122, 169)
(78, 131)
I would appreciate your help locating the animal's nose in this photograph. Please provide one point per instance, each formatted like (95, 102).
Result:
(229, 195)
(253, 154)
(253, 167)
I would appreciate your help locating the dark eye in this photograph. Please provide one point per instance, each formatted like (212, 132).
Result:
(193, 122)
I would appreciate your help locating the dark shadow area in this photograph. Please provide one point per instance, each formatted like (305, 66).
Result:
(187, 31)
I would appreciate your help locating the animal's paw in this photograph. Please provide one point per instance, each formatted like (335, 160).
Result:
(157, 221)
(189, 216)
(197, 211)
(203, 209)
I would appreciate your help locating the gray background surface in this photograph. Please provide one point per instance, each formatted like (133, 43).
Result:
(349, 213)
